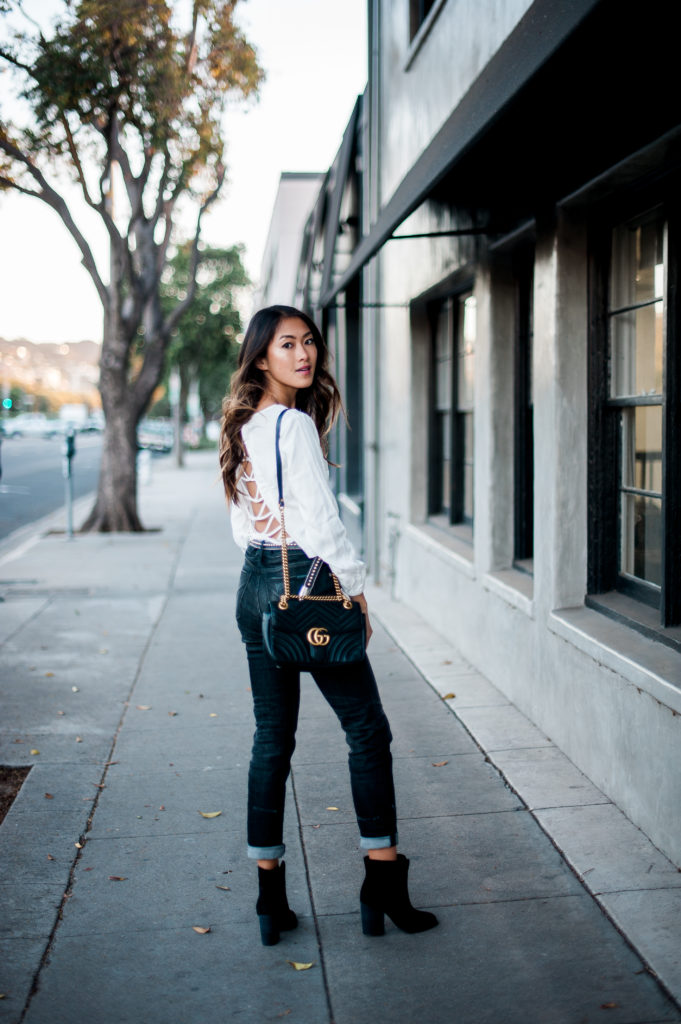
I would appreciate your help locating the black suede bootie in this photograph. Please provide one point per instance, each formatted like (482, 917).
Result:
(272, 907)
(384, 891)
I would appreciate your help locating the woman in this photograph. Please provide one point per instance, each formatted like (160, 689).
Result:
(283, 366)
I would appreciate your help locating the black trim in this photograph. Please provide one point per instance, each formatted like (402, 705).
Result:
(536, 37)
(523, 449)
(671, 426)
(341, 173)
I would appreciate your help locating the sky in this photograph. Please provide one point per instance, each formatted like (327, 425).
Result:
(314, 55)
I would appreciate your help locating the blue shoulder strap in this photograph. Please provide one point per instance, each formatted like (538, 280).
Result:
(280, 473)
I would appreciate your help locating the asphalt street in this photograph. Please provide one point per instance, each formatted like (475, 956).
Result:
(32, 483)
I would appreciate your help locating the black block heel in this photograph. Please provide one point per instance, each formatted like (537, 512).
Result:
(373, 921)
(269, 929)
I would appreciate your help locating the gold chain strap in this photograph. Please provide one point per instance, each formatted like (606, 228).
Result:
(287, 595)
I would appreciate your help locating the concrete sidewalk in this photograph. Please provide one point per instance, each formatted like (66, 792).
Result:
(125, 686)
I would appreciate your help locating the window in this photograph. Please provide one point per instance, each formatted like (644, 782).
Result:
(635, 471)
(524, 411)
(418, 12)
(451, 433)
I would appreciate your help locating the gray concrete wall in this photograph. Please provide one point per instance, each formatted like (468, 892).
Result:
(416, 96)
(606, 695)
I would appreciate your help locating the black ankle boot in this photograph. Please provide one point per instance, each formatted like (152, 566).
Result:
(272, 907)
(384, 891)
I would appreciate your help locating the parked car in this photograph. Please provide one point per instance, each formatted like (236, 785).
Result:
(155, 435)
(31, 424)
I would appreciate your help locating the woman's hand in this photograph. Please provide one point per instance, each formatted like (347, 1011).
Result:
(362, 602)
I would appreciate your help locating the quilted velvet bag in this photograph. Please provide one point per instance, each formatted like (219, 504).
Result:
(306, 631)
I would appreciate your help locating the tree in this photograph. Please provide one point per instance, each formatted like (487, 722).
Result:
(204, 348)
(120, 90)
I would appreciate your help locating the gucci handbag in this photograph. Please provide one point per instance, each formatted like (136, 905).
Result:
(308, 632)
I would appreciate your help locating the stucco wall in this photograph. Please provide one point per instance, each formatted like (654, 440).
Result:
(606, 695)
(416, 96)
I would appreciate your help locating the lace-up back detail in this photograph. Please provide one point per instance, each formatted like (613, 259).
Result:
(263, 522)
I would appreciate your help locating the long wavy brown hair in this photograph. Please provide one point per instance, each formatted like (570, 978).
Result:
(321, 401)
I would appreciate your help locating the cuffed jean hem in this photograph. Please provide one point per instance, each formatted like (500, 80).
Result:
(377, 842)
(266, 852)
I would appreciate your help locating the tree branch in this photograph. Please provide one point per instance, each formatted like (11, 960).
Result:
(173, 317)
(8, 183)
(70, 141)
(52, 198)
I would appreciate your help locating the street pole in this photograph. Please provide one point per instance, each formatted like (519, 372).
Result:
(68, 452)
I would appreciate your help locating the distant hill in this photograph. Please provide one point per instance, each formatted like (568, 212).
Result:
(67, 372)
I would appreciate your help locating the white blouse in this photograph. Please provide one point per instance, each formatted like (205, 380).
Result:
(312, 518)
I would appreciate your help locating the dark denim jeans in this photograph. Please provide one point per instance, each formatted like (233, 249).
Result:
(352, 694)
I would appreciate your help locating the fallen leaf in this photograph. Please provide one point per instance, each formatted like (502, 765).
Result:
(449, 696)
(18, 741)
(210, 814)
(49, 673)
(439, 764)
(89, 869)
(609, 1006)
(61, 713)
(78, 846)
(49, 796)
(199, 930)
(74, 689)
(172, 713)
(162, 807)
(212, 715)
(107, 764)
(332, 808)
(50, 857)
(118, 878)
(225, 888)
(300, 967)
(316, 826)
(34, 752)
(2, 995)
(79, 739)
(143, 707)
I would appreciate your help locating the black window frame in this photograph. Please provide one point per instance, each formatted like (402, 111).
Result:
(418, 12)
(523, 419)
(604, 459)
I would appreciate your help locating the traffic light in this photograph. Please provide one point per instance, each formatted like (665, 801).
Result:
(7, 403)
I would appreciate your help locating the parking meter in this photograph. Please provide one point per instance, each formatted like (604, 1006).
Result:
(68, 452)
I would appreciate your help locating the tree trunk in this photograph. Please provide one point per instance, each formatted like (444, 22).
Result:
(116, 506)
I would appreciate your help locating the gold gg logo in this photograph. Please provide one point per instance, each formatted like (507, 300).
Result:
(318, 637)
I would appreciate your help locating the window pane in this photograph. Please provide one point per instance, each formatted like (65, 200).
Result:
(467, 423)
(637, 268)
(466, 351)
(637, 276)
(443, 359)
(443, 461)
(642, 448)
(642, 538)
(636, 351)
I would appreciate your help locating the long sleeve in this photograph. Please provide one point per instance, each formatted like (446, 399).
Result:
(240, 525)
(312, 517)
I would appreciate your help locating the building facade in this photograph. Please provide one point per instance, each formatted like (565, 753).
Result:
(296, 195)
(493, 257)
